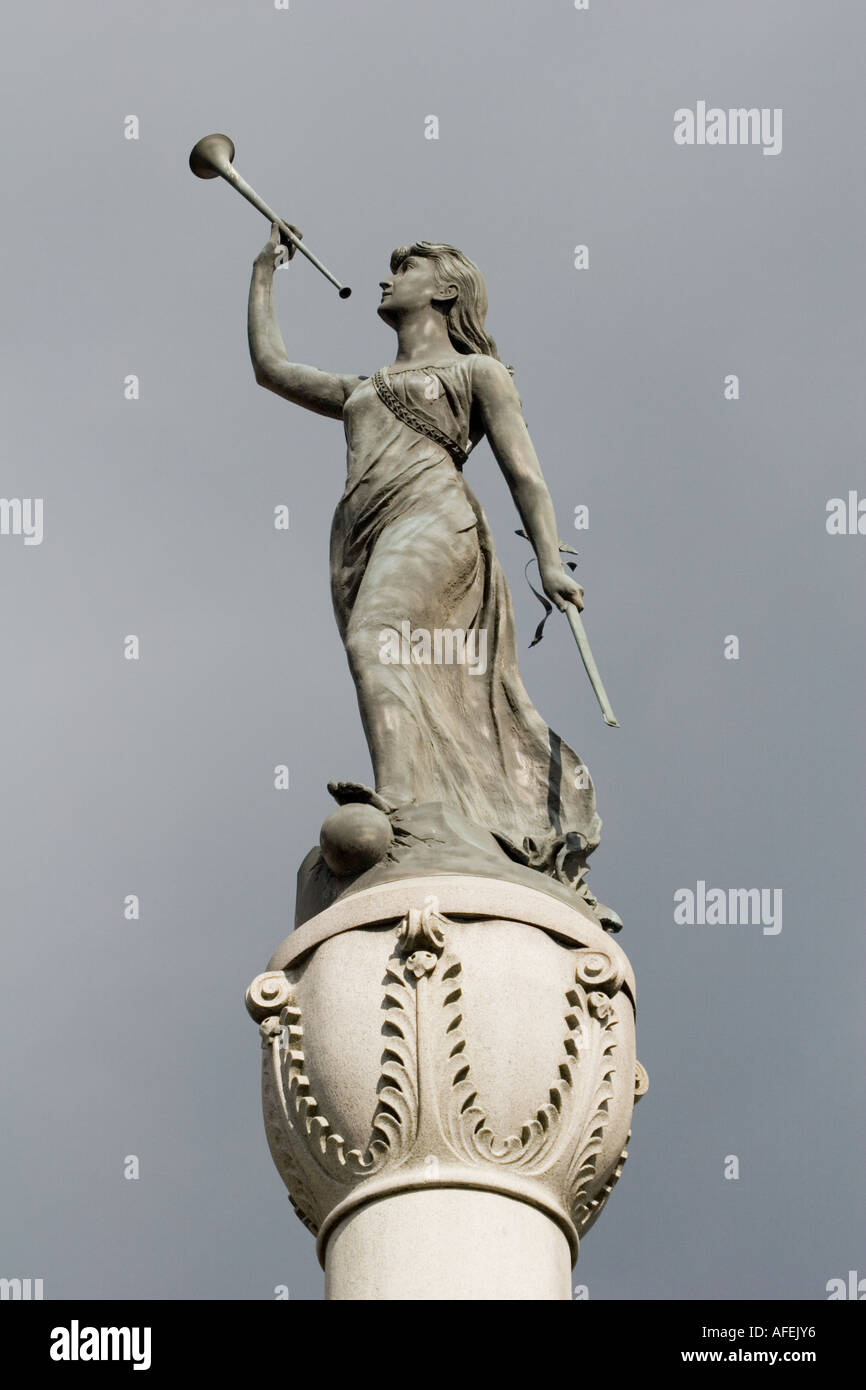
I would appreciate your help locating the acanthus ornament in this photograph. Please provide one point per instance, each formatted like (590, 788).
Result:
(426, 1104)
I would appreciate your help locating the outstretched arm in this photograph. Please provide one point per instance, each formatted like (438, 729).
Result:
(505, 427)
(322, 392)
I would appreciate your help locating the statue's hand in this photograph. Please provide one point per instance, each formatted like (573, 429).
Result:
(561, 588)
(278, 249)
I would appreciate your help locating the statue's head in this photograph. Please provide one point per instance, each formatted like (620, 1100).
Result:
(434, 275)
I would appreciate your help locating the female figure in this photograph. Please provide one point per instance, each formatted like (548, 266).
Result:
(421, 602)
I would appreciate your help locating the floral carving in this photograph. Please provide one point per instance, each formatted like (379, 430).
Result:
(282, 1136)
(395, 1118)
(423, 1035)
(541, 1141)
(586, 1212)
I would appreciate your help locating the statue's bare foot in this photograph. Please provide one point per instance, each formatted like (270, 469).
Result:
(346, 792)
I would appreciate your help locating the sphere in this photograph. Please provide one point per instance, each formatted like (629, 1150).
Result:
(354, 838)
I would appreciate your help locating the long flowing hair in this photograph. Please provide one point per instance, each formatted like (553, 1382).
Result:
(465, 318)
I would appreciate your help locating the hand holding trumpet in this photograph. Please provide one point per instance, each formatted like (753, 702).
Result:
(278, 249)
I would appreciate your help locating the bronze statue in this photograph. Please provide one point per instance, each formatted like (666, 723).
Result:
(412, 556)
(468, 776)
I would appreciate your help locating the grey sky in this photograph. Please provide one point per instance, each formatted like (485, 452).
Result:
(707, 518)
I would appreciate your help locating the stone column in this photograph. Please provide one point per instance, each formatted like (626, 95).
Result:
(448, 1081)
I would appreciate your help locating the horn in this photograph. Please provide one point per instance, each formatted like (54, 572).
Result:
(212, 158)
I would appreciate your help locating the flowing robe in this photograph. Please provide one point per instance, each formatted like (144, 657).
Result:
(410, 545)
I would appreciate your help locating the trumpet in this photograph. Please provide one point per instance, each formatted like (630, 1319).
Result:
(212, 158)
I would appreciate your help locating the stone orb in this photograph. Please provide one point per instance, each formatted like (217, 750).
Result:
(354, 838)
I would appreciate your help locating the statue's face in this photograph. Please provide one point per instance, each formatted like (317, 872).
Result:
(412, 286)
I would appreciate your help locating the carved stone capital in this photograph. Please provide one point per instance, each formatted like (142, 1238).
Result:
(443, 1049)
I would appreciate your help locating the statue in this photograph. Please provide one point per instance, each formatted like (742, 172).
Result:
(421, 602)
(448, 1043)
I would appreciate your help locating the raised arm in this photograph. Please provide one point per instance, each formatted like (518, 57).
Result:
(502, 418)
(322, 392)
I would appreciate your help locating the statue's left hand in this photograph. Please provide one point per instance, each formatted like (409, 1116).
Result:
(561, 589)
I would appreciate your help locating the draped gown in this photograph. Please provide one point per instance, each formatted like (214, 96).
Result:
(410, 543)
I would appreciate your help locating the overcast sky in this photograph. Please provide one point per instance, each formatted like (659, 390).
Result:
(707, 520)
